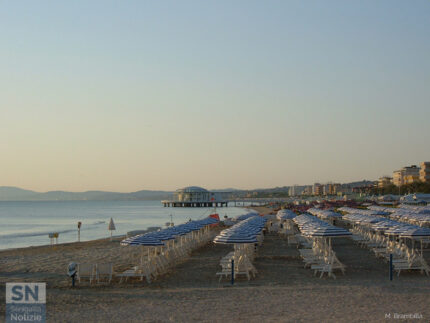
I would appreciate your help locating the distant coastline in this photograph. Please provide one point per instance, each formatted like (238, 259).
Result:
(15, 194)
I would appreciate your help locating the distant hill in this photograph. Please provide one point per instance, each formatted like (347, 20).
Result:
(8, 193)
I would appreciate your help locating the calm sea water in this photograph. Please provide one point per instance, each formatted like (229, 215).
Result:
(24, 224)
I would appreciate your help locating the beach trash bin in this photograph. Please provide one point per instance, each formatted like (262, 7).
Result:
(56, 234)
(71, 272)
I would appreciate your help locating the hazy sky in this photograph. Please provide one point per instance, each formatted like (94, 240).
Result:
(129, 95)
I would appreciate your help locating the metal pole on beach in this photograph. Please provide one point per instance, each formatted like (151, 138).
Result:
(79, 231)
(232, 271)
(391, 266)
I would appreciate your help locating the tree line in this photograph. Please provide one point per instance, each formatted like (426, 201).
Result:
(418, 187)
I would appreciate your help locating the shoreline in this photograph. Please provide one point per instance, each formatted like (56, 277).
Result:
(259, 209)
(63, 243)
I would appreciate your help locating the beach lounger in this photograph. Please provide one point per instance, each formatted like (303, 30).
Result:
(416, 263)
(104, 272)
(330, 263)
(135, 272)
(86, 271)
(225, 272)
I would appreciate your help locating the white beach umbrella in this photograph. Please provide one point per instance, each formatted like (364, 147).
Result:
(418, 234)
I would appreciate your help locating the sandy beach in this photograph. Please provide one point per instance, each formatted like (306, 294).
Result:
(283, 290)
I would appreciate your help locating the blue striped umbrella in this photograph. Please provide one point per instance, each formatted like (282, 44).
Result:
(416, 232)
(142, 240)
(285, 214)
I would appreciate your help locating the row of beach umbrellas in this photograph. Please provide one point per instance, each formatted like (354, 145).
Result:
(415, 208)
(414, 218)
(157, 238)
(348, 209)
(324, 214)
(245, 231)
(414, 215)
(314, 228)
(311, 226)
(248, 215)
(388, 226)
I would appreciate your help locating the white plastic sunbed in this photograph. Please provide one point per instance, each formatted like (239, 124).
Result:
(104, 272)
(86, 271)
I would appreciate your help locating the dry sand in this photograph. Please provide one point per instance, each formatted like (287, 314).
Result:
(283, 290)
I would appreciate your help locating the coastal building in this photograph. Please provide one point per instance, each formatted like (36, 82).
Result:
(333, 188)
(295, 190)
(397, 178)
(384, 181)
(292, 191)
(364, 189)
(406, 175)
(317, 189)
(344, 189)
(307, 190)
(425, 172)
(194, 196)
(325, 189)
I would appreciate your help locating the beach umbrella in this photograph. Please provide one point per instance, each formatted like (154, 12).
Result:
(416, 233)
(313, 227)
(236, 238)
(247, 215)
(285, 214)
(143, 240)
(111, 227)
(245, 231)
(329, 233)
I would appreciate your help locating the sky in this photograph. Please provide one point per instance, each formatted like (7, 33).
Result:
(130, 95)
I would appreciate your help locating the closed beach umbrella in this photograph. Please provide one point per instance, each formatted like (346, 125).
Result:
(111, 227)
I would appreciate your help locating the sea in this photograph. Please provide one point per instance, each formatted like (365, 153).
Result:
(24, 224)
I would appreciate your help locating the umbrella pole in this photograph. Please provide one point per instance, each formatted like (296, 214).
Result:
(421, 241)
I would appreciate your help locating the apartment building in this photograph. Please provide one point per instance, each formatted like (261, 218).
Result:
(425, 172)
(406, 175)
(307, 190)
(384, 181)
(332, 188)
(318, 189)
